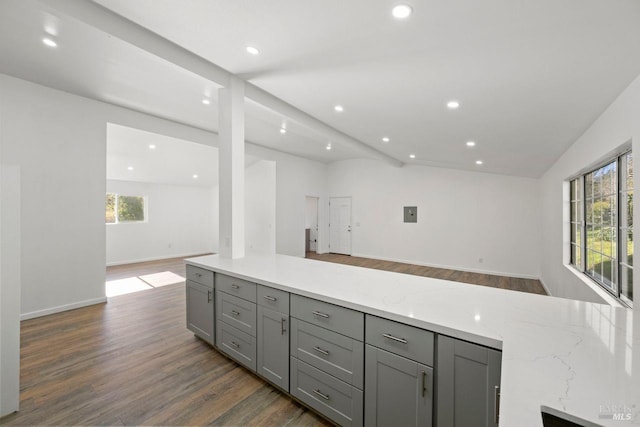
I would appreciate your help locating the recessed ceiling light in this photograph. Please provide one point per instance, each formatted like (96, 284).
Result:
(206, 101)
(283, 131)
(413, 156)
(471, 144)
(339, 108)
(130, 168)
(478, 162)
(49, 42)
(452, 105)
(195, 176)
(252, 50)
(401, 11)
(385, 139)
(152, 146)
(329, 146)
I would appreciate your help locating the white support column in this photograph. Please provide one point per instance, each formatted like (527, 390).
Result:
(231, 168)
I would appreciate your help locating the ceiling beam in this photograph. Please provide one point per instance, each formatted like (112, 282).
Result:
(128, 31)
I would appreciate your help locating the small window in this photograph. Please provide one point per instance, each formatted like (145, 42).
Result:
(120, 208)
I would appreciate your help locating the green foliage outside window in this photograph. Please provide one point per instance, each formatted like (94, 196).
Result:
(123, 208)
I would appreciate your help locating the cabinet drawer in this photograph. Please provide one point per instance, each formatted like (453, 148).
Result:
(328, 351)
(240, 346)
(408, 341)
(339, 319)
(274, 299)
(333, 398)
(238, 287)
(200, 275)
(236, 312)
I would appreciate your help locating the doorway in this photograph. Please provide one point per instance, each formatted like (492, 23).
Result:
(311, 225)
(340, 225)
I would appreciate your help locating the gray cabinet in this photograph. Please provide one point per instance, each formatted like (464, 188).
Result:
(398, 391)
(467, 385)
(273, 346)
(200, 310)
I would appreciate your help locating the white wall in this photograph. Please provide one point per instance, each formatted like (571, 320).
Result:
(179, 223)
(260, 207)
(311, 222)
(9, 286)
(296, 178)
(59, 142)
(462, 216)
(618, 125)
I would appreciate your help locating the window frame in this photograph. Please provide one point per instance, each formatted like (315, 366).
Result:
(145, 207)
(580, 203)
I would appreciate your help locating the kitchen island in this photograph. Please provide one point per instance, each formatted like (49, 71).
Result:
(567, 355)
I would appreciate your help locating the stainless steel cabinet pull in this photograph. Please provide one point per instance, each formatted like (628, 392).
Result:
(199, 274)
(270, 298)
(320, 314)
(496, 408)
(321, 394)
(320, 350)
(235, 313)
(391, 337)
(424, 383)
(235, 344)
(209, 296)
(282, 323)
(234, 286)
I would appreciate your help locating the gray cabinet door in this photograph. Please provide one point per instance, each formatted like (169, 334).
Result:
(468, 384)
(398, 391)
(273, 346)
(200, 310)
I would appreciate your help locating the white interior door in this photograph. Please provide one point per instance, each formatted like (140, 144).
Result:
(340, 225)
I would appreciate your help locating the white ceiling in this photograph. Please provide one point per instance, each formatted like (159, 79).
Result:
(530, 76)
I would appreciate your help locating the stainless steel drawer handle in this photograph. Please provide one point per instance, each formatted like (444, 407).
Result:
(496, 408)
(321, 350)
(391, 337)
(209, 293)
(270, 298)
(283, 328)
(235, 344)
(320, 314)
(199, 274)
(235, 313)
(234, 286)
(424, 383)
(321, 394)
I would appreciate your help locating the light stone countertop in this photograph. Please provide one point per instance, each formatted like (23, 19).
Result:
(568, 355)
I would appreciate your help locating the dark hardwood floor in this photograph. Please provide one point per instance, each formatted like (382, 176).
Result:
(502, 282)
(133, 362)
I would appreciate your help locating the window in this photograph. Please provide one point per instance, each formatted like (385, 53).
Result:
(119, 208)
(601, 222)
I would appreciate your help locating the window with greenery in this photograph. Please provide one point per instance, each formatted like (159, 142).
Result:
(601, 221)
(119, 208)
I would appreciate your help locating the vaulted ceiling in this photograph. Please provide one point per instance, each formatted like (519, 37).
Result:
(530, 77)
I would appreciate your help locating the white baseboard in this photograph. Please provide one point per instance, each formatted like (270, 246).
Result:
(451, 267)
(61, 308)
(544, 285)
(157, 258)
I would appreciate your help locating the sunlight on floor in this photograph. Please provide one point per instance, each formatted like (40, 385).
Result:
(141, 283)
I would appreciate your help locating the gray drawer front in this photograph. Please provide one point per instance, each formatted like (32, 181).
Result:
(274, 299)
(240, 346)
(333, 398)
(418, 345)
(238, 287)
(236, 312)
(339, 319)
(328, 351)
(200, 275)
